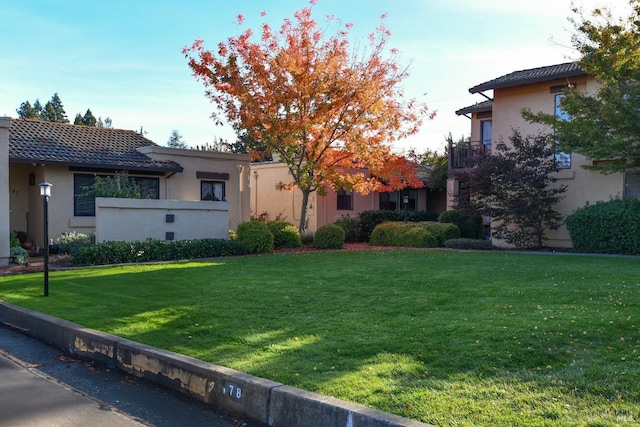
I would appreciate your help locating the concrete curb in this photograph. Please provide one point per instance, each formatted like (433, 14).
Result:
(226, 390)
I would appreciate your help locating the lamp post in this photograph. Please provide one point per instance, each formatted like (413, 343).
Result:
(405, 200)
(45, 192)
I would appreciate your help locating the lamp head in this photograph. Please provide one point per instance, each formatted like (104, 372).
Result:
(45, 189)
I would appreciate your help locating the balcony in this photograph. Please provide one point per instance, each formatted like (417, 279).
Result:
(463, 156)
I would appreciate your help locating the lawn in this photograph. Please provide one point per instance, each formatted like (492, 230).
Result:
(444, 337)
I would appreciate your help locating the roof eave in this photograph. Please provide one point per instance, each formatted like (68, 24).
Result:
(136, 168)
(489, 86)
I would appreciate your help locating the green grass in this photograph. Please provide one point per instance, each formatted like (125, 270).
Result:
(444, 337)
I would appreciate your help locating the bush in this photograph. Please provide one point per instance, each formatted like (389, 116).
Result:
(307, 237)
(256, 237)
(469, 222)
(155, 250)
(388, 233)
(69, 243)
(351, 227)
(14, 242)
(370, 219)
(471, 244)
(329, 236)
(285, 235)
(611, 227)
(441, 231)
(416, 235)
(18, 255)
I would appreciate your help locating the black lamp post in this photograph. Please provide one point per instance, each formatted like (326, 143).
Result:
(45, 192)
(405, 200)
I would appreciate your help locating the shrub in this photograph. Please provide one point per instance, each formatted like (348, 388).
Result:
(307, 237)
(441, 231)
(472, 244)
(388, 234)
(14, 242)
(18, 255)
(411, 234)
(285, 235)
(469, 222)
(69, 243)
(418, 237)
(329, 236)
(155, 250)
(370, 219)
(611, 227)
(255, 236)
(21, 236)
(351, 227)
(419, 216)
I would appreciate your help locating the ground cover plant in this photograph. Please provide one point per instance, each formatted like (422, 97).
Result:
(444, 337)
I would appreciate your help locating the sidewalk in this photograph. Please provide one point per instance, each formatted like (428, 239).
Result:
(42, 387)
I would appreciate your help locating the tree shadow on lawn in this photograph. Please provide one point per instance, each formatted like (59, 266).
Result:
(399, 352)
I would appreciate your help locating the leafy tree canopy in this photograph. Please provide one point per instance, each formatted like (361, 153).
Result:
(605, 125)
(327, 110)
(515, 187)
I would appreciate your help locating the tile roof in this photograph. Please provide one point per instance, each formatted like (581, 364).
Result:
(479, 107)
(534, 75)
(33, 141)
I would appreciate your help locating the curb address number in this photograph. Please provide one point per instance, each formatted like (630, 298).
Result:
(233, 390)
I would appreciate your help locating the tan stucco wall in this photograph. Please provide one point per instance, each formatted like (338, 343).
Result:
(583, 185)
(138, 220)
(25, 199)
(283, 204)
(185, 185)
(286, 205)
(4, 190)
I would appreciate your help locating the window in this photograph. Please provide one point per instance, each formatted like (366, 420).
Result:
(212, 190)
(389, 201)
(345, 200)
(84, 203)
(485, 135)
(394, 201)
(563, 160)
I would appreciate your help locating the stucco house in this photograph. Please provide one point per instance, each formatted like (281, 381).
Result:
(538, 89)
(267, 201)
(70, 157)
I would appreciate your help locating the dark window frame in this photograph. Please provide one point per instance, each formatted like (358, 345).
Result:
(208, 191)
(85, 206)
(344, 200)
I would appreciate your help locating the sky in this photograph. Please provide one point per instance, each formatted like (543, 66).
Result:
(123, 59)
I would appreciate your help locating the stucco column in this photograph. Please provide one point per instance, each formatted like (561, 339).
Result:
(5, 122)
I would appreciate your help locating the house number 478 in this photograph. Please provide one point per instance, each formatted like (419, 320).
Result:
(233, 390)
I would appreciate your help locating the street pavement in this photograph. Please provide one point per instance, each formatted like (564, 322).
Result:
(40, 386)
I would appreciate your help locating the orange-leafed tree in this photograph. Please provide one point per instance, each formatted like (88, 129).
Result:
(329, 111)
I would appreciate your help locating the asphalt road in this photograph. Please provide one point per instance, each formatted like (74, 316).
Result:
(39, 386)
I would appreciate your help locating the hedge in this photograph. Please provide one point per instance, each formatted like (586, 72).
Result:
(611, 227)
(154, 250)
(426, 234)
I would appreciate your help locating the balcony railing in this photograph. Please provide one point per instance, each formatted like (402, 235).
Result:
(463, 156)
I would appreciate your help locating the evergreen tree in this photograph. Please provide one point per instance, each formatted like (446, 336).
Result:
(78, 119)
(59, 115)
(175, 140)
(89, 119)
(26, 111)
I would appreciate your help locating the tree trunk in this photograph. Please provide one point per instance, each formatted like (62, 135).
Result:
(303, 210)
